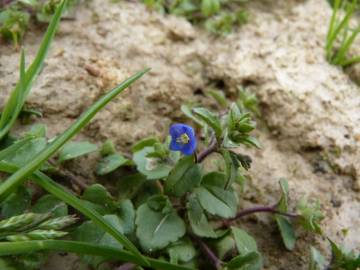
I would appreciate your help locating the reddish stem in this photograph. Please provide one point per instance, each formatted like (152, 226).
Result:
(256, 209)
(208, 252)
(211, 149)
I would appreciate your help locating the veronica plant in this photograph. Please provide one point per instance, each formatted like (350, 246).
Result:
(176, 205)
(341, 35)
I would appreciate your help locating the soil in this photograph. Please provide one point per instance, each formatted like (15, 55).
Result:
(309, 126)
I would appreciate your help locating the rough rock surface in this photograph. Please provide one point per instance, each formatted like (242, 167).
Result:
(310, 110)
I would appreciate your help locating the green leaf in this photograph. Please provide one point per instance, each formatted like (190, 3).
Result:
(6, 265)
(108, 148)
(11, 150)
(127, 216)
(343, 259)
(231, 167)
(283, 202)
(37, 130)
(311, 215)
(151, 167)
(183, 177)
(209, 7)
(97, 194)
(247, 101)
(198, 220)
(246, 245)
(284, 224)
(89, 232)
(186, 109)
(210, 119)
(219, 96)
(27, 152)
(317, 261)
(225, 246)
(17, 203)
(128, 186)
(144, 143)
(49, 203)
(31, 3)
(73, 150)
(182, 251)
(249, 261)
(251, 141)
(287, 231)
(244, 242)
(214, 198)
(158, 224)
(111, 163)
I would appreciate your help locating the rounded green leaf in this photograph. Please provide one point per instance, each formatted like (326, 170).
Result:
(76, 149)
(183, 177)
(214, 198)
(110, 163)
(157, 224)
(151, 167)
(198, 220)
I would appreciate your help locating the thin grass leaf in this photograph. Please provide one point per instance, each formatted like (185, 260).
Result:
(19, 176)
(25, 247)
(16, 95)
(341, 26)
(350, 61)
(341, 54)
(58, 191)
(22, 89)
(333, 19)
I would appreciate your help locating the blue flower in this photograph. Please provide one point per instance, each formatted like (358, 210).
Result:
(182, 139)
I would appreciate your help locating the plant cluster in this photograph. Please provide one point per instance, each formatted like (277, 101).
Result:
(218, 16)
(174, 208)
(15, 16)
(341, 33)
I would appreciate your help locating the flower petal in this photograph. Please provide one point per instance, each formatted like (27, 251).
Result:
(191, 133)
(177, 129)
(174, 146)
(189, 149)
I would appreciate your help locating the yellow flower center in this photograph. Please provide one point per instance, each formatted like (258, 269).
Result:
(183, 139)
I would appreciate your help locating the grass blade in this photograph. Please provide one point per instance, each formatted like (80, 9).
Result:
(22, 89)
(19, 176)
(333, 19)
(24, 247)
(336, 31)
(58, 191)
(341, 54)
(350, 61)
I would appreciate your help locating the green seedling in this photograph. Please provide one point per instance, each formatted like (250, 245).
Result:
(341, 35)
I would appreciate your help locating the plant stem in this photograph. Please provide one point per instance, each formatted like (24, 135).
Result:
(209, 150)
(208, 252)
(253, 210)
